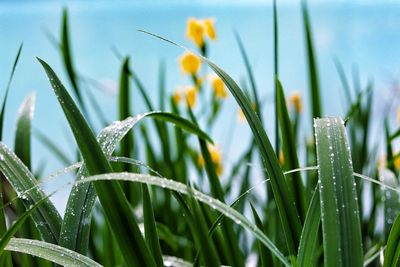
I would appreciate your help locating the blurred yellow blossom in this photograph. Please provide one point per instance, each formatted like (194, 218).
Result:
(281, 158)
(191, 95)
(218, 87)
(241, 116)
(396, 163)
(210, 29)
(177, 96)
(295, 101)
(190, 63)
(195, 31)
(216, 158)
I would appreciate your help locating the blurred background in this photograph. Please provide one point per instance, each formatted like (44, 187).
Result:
(362, 35)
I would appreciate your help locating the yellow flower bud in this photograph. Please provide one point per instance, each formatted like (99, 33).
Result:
(396, 163)
(218, 87)
(281, 158)
(177, 96)
(191, 95)
(216, 158)
(190, 63)
(295, 101)
(195, 31)
(210, 29)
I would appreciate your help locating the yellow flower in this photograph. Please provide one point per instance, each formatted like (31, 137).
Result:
(281, 158)
(396, 163)
(295, 101)
(190, 63)
(195, 31)
(177, 96)
(241, 116)
(210, 29)
(216, 158)
(191, 95)
(219, 87)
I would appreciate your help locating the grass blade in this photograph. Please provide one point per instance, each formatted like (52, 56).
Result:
(312, 66)
(5, 239)
(392, 252)
(263, 253)
(339, 205)
(65, 47)
(51, 252)
(111, 196)
(296, 187)
(23, 131)
(201, 197)
(150, 227)
(289, 217)
(309, 235)
(46, 217)
(3, 105)
(199, 229)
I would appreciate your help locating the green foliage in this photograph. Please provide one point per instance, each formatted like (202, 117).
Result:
(165, 189)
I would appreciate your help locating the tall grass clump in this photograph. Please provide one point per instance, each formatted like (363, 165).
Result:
(153, 189)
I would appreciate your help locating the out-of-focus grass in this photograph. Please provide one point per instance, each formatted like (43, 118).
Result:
(181, 213)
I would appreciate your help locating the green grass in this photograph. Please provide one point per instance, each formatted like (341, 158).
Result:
(149, 190)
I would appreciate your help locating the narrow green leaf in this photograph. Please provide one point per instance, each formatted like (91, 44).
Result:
(124, 107)
(199, 229)
(289, 217)
(312, 65)
(309, 235)
(3, 105)
(23, 130)
(339, 205)
(150, 228)
(65, 47)
(296, 187)
(5, 239)
(392, 252)
(182, 188)
(51, 252)
(46, 217)
(111, 196)
(262, 251)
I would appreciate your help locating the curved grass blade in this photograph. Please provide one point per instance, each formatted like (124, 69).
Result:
(3, 105)
(309, 235)
(51, 252)
(111, 196)
(125, 109)
(289, 217)
(75, 229)
(182, 188)
(23, 131)
(5, 239)
(151, 235)
(289, 149)
(46, 217)
(312, 65)
(265, 257)
(339, 205)
(199, 228)
(67, 59)
(392, 252)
